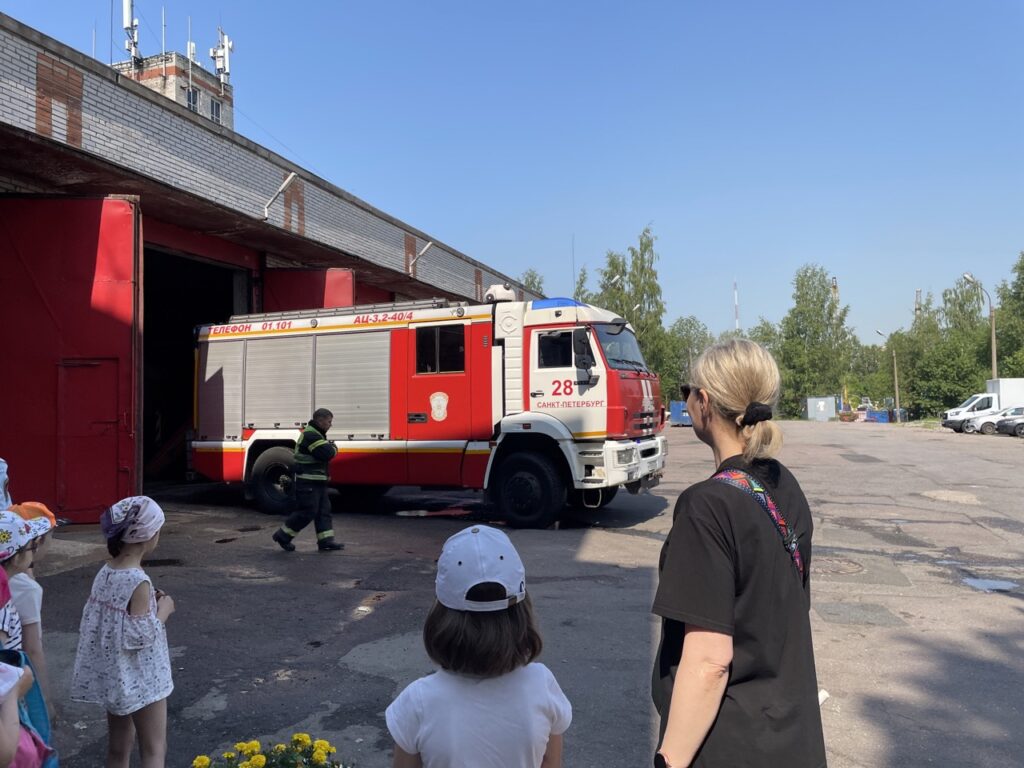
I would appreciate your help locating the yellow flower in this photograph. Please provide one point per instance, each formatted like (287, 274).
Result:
(258, 761)
(319, 757)
(244, 765)
(240, 746)
(228, 755)
(279, 748)
(254, 747)
(202, 761)
(322, 745)
(301, 739)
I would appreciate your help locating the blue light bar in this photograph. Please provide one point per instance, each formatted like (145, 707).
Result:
(556, 303)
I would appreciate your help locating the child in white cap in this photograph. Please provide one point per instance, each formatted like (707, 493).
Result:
(123, 661)
(490, 705)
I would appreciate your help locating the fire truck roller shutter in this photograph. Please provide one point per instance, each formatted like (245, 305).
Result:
(220, 390)
(278, 382)
(353, 374)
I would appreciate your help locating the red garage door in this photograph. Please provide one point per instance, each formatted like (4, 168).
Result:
(69, 331)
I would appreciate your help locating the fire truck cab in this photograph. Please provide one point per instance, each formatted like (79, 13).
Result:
(540, 403)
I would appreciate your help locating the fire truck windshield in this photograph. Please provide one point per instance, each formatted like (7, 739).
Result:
(621, 348)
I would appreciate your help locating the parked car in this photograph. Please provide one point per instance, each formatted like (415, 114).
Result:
(987, 424)
(1013, 425)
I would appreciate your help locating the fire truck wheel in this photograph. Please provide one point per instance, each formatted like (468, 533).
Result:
(578, 501)
(530, 491)
(272, 481)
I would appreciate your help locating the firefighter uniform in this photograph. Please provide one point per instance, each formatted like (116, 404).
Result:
(313, 452)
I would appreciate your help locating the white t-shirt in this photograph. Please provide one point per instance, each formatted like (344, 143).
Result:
(27, 595)
(457, 721)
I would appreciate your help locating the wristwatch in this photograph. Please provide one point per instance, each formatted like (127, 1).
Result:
(660, 761)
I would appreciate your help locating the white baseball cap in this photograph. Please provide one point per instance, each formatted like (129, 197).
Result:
(479, 555)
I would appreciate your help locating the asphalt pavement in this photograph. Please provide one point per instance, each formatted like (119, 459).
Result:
(917, 585)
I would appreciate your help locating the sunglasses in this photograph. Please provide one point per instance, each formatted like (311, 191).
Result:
(687, 389)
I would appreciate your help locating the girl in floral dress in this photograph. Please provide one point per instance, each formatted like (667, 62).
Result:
(123, 661)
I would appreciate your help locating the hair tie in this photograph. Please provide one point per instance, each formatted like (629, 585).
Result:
(756, 412)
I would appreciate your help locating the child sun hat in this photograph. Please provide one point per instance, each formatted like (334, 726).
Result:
(30, 510)
(37, 526)
(135, 519)
(14, 535)
(479, 555)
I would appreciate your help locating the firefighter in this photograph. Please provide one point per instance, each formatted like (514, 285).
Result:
(313, 452)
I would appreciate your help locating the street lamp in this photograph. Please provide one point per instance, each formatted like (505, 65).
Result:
(972, 280)
(895, 377)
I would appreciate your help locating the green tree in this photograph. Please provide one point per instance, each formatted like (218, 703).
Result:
(1010, 322)
(629, 287)
(768, 335)
(611, 291)
(533, 281)
(580, 292)
(815, 344)
(688, 337)
(940, 359)
(870, 375)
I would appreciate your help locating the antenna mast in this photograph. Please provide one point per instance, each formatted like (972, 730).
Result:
(163, 40)
(221, 56)
(131, 29)
(190, 53)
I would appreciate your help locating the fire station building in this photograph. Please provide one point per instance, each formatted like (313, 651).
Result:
(130, 213)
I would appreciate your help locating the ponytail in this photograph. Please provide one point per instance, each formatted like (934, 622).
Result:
(743, 383)
(115, 544)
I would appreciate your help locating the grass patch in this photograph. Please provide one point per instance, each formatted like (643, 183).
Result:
(924, 423)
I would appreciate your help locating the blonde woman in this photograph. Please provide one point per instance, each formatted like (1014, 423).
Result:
(734, 679)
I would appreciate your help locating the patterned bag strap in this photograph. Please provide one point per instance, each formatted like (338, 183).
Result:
(750, 485)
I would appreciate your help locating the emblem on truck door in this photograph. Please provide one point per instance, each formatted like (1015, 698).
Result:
(439, 406)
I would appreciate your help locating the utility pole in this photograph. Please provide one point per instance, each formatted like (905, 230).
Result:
(896, 383)
(895, 376)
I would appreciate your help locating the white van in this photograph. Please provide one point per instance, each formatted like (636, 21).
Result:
(975, 406)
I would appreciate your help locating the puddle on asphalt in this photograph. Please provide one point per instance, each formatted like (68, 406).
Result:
(990, 585)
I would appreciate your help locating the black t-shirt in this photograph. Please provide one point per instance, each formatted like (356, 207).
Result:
(724, 568)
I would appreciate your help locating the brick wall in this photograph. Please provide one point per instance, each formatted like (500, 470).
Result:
(53, 91)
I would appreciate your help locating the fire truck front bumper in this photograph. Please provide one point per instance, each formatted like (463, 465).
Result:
(637, 464)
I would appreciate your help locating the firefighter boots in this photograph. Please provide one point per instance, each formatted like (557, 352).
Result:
(284, 540)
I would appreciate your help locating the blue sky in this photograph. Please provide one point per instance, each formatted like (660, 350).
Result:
(880, 139)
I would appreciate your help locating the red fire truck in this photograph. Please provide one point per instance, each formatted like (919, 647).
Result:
(540, 403)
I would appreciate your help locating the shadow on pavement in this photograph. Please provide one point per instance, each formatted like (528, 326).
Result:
(410, 501)
(957, 704)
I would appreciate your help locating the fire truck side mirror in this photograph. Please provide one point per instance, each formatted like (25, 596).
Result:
(581, 349)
